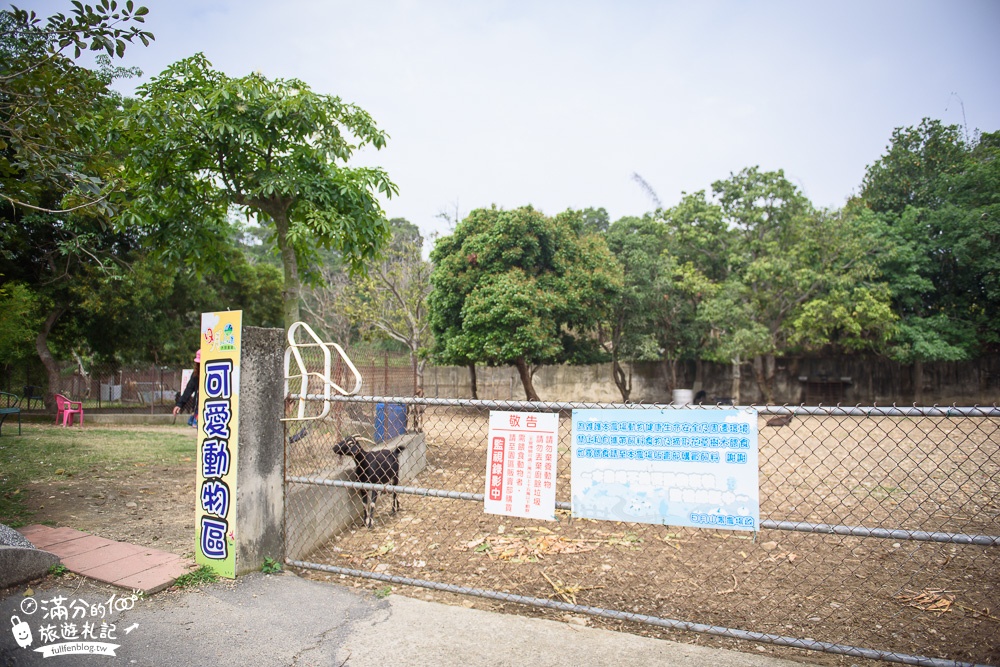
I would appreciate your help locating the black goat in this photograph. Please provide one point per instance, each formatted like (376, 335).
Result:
(779, 421)
(378, 467)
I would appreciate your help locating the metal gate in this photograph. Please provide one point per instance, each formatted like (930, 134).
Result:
(879, 536)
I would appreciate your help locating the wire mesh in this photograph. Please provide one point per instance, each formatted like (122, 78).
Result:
(879, 529)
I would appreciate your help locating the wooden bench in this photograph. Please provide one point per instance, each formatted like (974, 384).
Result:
(10, 405)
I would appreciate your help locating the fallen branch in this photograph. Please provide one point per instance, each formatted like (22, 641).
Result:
(729, 590)
(567, 593)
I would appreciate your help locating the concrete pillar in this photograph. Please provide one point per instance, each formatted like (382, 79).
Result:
(260, 473)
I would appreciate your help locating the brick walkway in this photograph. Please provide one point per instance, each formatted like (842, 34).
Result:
(118, 563)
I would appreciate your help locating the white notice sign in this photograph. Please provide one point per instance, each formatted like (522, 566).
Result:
(674, 467)
(521, 464)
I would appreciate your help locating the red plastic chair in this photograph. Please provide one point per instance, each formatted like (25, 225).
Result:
(66, 408)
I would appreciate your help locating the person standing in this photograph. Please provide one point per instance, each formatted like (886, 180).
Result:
(190, 393)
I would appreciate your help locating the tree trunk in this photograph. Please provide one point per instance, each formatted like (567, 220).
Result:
(622, 381)
(418, 372)
(525, 373)
(51, 368)
(699, 376)
(871, 382)
(735, 391)
(472, 381)
(918, 382)
(763, 370)
(292, 290)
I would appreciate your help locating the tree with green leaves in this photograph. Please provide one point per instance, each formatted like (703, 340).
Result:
(697, 236)
(148, 314)
(734, 335)
(784, 263)
(517, 287)
(46, 99)
(391, 297)
(934, 191)
(633, 325)
(56, 161)
(63, 259)
(203, 143)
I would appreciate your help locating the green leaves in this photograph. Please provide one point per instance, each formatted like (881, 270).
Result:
(509, 315)
(274, 149)
(103, 27)
(19, 319)
(935, 193)
(911, 171)
(516, 286)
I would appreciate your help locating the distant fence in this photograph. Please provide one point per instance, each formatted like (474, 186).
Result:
(104, 388)
(122, 389)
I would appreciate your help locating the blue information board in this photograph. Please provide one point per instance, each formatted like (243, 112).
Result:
(691, 467)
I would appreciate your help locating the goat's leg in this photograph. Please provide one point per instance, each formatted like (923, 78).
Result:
(364, 504)
(370, 508)
(395, 498)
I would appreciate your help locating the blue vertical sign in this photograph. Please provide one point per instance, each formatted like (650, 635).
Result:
(694, 468)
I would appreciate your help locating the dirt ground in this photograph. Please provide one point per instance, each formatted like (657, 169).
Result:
(919, 598)
(150, 505)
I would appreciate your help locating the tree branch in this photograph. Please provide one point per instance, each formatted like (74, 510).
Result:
(15, 202)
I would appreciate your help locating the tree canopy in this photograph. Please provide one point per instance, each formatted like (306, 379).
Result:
(203, 143)
(47, 99)
(516, 287)
(935, 193)
(635, 313)
(57, 166)
(786, 263)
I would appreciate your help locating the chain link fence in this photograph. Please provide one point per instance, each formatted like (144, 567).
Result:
(879, 532)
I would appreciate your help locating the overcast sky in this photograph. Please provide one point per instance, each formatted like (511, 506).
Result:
(557, 104)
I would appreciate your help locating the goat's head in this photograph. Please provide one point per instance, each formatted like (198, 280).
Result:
(349, 446)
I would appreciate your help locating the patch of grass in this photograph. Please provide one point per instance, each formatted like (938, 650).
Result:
(203, 575)
(58, 570)
(270, 566)
(384, 592)
(46, 452)
(13, 510)
(882, 492)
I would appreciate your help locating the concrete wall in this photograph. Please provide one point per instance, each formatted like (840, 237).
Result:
(848, 379)
(591, 383)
